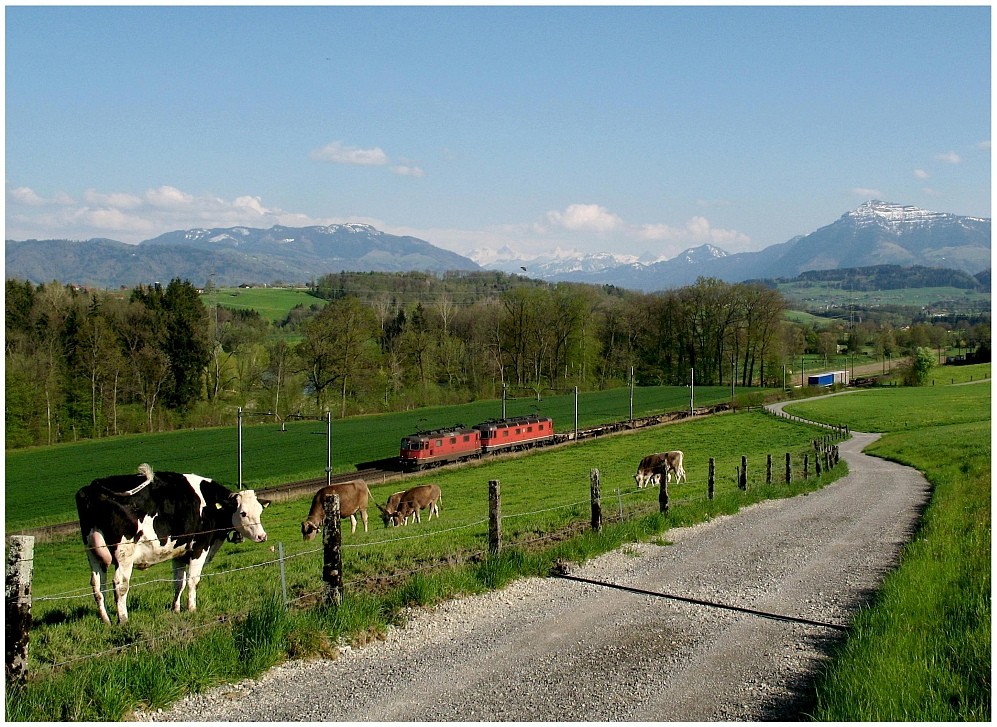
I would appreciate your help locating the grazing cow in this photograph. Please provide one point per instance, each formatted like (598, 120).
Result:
(411, 503)
(417, 499)
(353, 498)
(389, 508)
(653, 466)
(135, 521)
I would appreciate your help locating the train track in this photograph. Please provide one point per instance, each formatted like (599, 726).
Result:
(387, 470)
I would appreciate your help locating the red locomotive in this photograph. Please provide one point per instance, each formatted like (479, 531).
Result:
(458, 443)
(515, 433)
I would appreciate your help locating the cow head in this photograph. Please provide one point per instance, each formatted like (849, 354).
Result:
(389, 518)
(248, 510)
(309, 529)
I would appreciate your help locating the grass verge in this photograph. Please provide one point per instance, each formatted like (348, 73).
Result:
(921, 651)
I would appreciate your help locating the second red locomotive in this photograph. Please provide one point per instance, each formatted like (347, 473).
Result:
(458, 443)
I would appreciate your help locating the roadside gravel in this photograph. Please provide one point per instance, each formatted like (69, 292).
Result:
(550, 649)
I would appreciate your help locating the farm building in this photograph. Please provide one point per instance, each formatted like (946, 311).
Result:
(829, 378)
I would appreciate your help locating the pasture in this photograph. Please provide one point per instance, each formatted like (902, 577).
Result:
(545, 498)
(273, 304)
(41, 481)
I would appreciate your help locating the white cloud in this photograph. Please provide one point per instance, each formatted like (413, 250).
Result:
(921, 174)
(585, 218)
(984, 145)
(120, 200)
(337, 153)
(25, 195)
(949, 157)
(408, 171)
(134, 217)
(697, 230)
(867, 193)
(169, 198)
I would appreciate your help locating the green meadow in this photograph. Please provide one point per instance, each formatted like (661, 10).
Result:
(40, 482)
(922, 650)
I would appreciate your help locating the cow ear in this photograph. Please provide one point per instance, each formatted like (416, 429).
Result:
(264, 503)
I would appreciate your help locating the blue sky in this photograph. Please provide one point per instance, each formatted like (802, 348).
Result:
(640, 130)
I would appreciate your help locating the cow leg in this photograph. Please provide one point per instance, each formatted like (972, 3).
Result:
(353, 523)
(194, 577)
(100, 559)
(363, 516)
(98, 581)
(179, 583)
(122, 578)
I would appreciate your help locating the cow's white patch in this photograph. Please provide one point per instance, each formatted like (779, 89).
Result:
(195, 484)
(145, 549)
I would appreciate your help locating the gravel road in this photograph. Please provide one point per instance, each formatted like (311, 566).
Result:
(551, 649)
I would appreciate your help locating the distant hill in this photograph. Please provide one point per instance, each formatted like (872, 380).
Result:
(234, 256)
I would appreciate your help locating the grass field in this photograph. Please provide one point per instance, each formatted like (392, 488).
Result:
(922, 651)
(820, 296)
(544, 495)
(273, 304)
(40, 482)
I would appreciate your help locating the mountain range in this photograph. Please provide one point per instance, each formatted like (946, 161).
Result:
(876, 233)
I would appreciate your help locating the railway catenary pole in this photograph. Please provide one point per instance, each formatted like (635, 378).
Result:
(631, 393)
(328, 446)
(576, 414)
(692, 391)
(240, 447)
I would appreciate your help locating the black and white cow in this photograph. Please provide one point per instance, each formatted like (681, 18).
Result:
(135, 521)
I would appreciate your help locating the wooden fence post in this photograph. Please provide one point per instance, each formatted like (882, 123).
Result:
(494, 517)
(332, 548)
(789, 468)
(742, 480)
(20, 559)
(596, 500)
(806, 465)
(817, 465)
(768, 470)
(711, 482)
(663, 491)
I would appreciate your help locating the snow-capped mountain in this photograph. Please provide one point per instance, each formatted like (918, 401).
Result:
(875, 233)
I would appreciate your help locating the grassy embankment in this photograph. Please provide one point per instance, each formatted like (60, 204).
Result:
(159, 656)
(922, 650)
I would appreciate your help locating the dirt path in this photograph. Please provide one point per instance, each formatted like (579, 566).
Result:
(552, 649)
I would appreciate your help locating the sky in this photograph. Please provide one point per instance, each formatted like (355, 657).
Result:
(638, 131)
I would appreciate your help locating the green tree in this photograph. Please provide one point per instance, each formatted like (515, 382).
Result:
(917, 370)
(339, 343)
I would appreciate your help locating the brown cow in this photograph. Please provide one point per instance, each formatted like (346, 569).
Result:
(414, 500)
(353, 498)
(652, 466)
(390, 508)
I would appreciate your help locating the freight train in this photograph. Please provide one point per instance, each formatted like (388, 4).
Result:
(458, 443)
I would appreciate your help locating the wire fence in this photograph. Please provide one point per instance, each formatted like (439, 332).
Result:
(557, 523)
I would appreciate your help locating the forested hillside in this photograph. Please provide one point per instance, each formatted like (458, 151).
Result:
(86, 364)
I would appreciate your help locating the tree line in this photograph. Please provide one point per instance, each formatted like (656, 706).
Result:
(84, 364)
